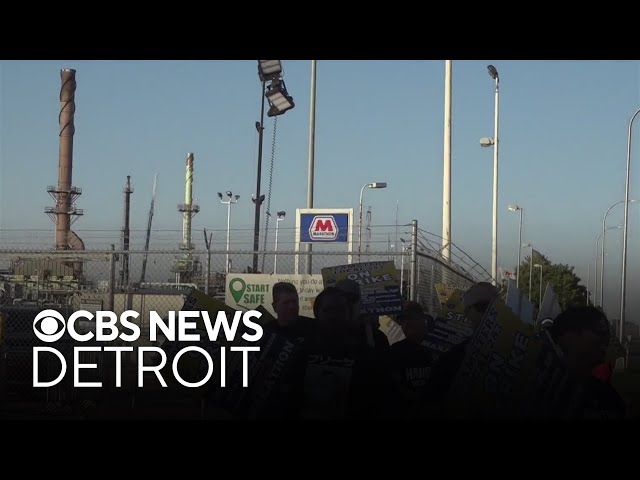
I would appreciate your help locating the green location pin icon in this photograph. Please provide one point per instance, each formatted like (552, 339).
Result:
(237, 288)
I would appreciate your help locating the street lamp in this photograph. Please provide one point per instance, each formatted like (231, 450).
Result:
(232, 200)
(537, 265)
(516, 208)
(281, 216)
(530, 245)
(604, 227)
(368, 185)
(588, 281)
(623, 290)
(494, 142)
(279, 102)
(595, 275)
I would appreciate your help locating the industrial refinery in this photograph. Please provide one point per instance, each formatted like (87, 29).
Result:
(60, 280)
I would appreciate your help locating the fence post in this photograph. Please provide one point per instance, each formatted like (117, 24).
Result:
(206, 290)
(112, 278)
(413, 287)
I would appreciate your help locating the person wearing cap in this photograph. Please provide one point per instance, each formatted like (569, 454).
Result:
(546, 323)
(410, 361)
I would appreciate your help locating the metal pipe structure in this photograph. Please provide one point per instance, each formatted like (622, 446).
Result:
(188, 200)
(413, 285)
(124, 274)
(207, 244)
(374, 185)
(530, 245)
(65, 165)
(281, 216)
(623, 290)
(446, 178)
(188, 210)
(312, 149)
(232, 200)
(257, 201)
(588, 282)
(64, 193)
(595, 261)
(604, 227)
(496, 143)
(517, 208)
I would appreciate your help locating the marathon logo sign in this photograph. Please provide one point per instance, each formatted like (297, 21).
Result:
(323, 228)
(318, 226)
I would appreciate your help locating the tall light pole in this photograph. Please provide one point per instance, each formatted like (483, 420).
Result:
(604, 227)
(516, 208)
(537, 265)
(530, 245)
(281, 216)
(446, 176)
(231, 200)
(488, 142)
(595, 274)
(588, 281)
(312, 143)
(279, 102)
(368, 185)
(623, 290)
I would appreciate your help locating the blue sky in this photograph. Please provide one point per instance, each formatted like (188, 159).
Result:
(563, 136)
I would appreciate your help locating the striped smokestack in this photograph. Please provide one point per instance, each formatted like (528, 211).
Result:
(64, 193)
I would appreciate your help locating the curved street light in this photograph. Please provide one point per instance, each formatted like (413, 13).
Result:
(232, 200)
(368, 185)
(604, 227)
(595, 266)
(280, 218)
(623, 291)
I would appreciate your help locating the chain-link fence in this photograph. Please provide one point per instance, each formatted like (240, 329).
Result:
(158, 281)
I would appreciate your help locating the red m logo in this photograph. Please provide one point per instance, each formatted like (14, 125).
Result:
(324, 225)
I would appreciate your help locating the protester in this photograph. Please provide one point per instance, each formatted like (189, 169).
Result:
(345, 377)
(359, 323)
(476, 302)
(410, 361)
(286, 305)
(583, 335)
(287, 399)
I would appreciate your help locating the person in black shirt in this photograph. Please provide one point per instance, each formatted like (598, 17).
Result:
(345, 377)
(410, 361)
(583, 334)
(287, 400)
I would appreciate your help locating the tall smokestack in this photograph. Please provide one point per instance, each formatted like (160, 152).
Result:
(124, 274)
(188, 209)
(64, 193)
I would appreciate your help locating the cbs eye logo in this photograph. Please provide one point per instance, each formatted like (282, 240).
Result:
(49, 326)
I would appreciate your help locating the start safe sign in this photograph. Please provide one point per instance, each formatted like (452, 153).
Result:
(248, 291)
